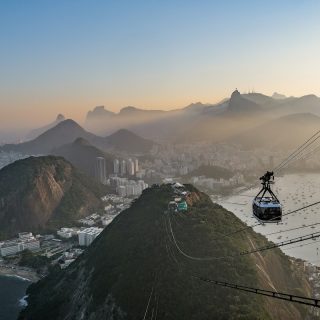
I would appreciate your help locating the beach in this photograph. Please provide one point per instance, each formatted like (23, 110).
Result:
(19, 272)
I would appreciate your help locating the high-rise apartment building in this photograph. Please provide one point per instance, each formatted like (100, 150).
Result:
(100, 169)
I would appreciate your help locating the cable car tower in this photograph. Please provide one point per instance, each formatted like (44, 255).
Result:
(266, 206)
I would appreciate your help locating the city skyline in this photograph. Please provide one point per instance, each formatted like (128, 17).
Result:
(68, 57)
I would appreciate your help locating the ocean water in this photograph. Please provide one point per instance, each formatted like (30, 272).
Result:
(294, 191)
(12, 291)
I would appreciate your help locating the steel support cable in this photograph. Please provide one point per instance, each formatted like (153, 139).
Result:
(311, 153)
(304, 155)
(302, 245)
(294, 154)
(272, 294)
(305, 149)
(292, 229)
(245, 252)
(261, 223)
(185, 254)
(299, 149)
(314, 235)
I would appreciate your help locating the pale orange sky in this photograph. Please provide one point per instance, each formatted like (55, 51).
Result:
(57, 57)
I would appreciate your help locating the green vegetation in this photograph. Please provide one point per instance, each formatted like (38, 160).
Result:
(135, 253)
(78, 197)
(33, 260)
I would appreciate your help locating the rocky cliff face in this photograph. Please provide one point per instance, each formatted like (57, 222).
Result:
(37, 193)
(133, 269)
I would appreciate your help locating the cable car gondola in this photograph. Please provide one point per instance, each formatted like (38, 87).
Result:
(266, 206)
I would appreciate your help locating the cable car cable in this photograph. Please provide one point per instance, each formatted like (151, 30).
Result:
(272, 294)
(305, 156)
(302, 245)
(314, 235)
(246, 252)
(261, 223)
(295, 228)
(299, 149)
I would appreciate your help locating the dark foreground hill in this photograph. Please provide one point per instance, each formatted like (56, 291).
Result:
(133, 270)
(44, 192)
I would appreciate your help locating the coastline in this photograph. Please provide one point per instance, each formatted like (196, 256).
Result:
(26, 275)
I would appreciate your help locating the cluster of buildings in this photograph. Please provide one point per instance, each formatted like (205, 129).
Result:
(90, 220)
(9, 157)
(68, 257)
(86, 236)
(25, 241)
(121, 167)
(127, 188)
(67, 233)
(179, 203)
(129, 167)
(215, 184)
(182, 159)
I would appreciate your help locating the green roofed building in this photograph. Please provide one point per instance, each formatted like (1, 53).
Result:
(182, 206)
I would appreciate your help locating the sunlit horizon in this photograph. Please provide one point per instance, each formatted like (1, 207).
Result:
(68, 57)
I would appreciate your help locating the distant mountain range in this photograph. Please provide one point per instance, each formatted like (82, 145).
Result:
(286, 132)
(133, 270)
(68, 131)
(231, 120)
(204, 122)
(41, 193)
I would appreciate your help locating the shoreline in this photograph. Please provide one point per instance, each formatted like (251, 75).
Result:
(25, 275)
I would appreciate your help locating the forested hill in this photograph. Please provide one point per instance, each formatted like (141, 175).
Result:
(133, 268)
(38, 193)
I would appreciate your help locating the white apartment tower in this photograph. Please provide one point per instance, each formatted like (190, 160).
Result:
(136, 165)
(130, 167)
(123, 168)
(116, 166)
(87, 236)
(100, 169)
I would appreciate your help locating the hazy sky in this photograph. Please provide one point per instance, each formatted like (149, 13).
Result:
(70, 55)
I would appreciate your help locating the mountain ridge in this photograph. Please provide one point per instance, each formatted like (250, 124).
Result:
(82, 154)
(67, 131)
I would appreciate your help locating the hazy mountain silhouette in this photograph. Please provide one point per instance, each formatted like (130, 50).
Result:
(83, 156)
(64, 132)
(294, 129)
(68, 131)
(37, 132)
(203, 121)
(277, 95)
(128, 141)
(240, 105)
(99, 112)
